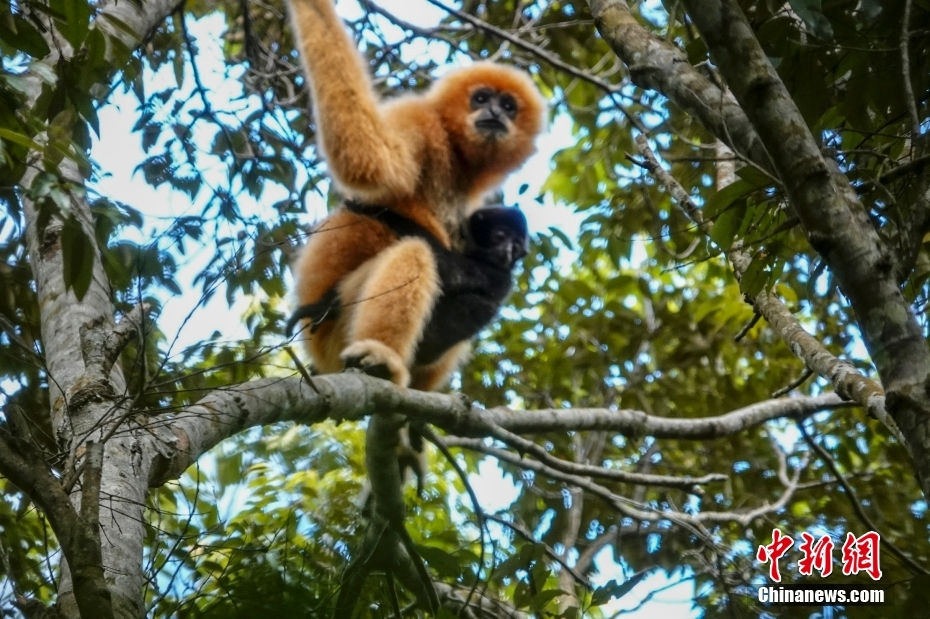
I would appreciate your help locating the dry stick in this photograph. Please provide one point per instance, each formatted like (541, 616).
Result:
(689, 484)
(626, 506)
(537, 51)
(300, 366)
(797, 382)
(526, 535)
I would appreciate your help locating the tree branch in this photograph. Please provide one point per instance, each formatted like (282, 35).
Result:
(524, 446)
(846, 379)
(79, 539)
(550, 552)
(656, 64)
(538, 52)
(630, 508)
(836, 223)
(182, 437)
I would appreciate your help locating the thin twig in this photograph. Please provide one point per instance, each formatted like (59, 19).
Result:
(854, 501)
(904, 47)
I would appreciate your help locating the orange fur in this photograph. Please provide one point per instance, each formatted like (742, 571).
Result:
(433, 376)
(418, 155)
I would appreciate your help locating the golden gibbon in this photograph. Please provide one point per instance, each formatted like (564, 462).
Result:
(430, 158)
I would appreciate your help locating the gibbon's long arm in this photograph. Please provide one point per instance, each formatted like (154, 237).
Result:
(366, 154)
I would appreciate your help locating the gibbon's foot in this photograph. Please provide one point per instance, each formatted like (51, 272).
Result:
(376, 359)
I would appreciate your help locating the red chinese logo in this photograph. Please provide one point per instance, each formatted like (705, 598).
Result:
(774, 551)
(817, 555)
(860, 554)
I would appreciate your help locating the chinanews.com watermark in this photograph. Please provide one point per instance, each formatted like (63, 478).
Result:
(858, 555)
(821, 595)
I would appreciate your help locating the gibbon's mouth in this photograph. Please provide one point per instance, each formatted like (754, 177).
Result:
(490, 125)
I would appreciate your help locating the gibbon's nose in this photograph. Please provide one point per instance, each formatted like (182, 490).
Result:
(491, 119)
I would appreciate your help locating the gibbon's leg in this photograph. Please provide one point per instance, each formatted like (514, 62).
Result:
(391, 306)
(411, 454)
(434, 376)
(365, 152)
(336, 247)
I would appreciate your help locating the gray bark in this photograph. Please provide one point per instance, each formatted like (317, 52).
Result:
(101, 535)
(184, 436)
(834, 220)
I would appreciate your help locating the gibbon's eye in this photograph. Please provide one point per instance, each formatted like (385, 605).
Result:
(499, 236)
(509, 105)
(480, 97)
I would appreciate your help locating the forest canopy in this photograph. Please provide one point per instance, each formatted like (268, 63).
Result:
(720, 330)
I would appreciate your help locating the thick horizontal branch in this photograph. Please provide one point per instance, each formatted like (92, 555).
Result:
(180, 438)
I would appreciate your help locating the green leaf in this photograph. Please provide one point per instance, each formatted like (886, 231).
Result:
(811, 13)
(544, 597)
(18, 138)
(754, 176)
(229, 469)
(96, 46)
(755, 277)
(120, 25)
(613, 589)
(23, 36)
(440, 560)
(559, 234)
(726, 226)
(721, 200)
(76, 20)
(77, 257)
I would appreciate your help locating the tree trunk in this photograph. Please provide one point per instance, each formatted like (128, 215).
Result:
(106, 473)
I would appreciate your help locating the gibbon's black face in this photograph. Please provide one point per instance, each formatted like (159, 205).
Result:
(495, 111)
(498, 236)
